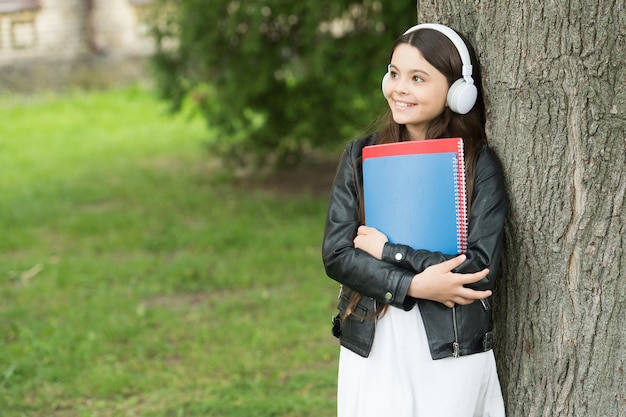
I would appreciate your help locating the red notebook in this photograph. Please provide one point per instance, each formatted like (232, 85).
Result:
(414, 192)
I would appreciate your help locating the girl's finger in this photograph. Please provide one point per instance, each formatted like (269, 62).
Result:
(475, 277)
(453, 263)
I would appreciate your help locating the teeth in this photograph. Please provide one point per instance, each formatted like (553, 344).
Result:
(402, 104)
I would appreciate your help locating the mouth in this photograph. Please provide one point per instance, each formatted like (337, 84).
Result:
(403, 105)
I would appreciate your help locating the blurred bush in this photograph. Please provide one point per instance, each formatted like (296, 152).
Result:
(277, 77)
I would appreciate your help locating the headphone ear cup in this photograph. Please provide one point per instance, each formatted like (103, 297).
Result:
(462, 96)
(382, 84)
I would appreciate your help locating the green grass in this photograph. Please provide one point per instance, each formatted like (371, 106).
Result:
(136, 281)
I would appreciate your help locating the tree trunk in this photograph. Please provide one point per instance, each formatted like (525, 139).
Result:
(554, 81)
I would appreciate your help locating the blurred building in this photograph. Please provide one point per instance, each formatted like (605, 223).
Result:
(89, 43)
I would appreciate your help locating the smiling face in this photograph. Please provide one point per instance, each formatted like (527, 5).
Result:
(416, 91)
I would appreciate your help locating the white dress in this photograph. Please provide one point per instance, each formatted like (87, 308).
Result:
(400, 379)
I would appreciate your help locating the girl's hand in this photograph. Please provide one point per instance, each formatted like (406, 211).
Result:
(370, 240)
(439, 283)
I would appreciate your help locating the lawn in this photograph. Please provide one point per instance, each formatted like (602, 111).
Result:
(137, 278)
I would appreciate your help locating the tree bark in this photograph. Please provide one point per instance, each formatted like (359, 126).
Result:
(554, 79)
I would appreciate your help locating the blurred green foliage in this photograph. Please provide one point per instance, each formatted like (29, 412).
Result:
(277, 77)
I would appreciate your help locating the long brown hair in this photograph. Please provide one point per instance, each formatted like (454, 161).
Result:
(441, 53)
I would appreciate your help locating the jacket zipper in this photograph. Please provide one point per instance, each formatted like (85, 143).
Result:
(455, 345)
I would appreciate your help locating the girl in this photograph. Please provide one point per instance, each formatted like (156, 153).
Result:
(415, 325)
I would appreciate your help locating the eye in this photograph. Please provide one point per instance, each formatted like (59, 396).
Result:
(417, 79)
(393, 74)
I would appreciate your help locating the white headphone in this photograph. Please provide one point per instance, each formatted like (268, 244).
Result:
(462, 93)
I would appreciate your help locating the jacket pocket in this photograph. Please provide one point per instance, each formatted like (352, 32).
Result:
(475, 327)
(356, 331)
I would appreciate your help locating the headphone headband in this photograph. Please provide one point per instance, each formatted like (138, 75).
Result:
(456, 40)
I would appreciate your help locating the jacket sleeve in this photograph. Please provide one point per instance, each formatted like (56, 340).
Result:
(485, 228)
(355, 268)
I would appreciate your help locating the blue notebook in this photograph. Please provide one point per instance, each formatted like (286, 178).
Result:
(414, 192)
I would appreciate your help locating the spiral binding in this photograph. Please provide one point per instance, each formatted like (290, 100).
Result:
(460, 198)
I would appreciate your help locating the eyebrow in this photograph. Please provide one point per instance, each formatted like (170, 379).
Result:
(413, 71)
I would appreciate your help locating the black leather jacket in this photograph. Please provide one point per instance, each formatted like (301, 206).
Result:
(458, 331)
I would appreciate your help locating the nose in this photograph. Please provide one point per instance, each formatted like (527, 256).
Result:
(401, 86)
